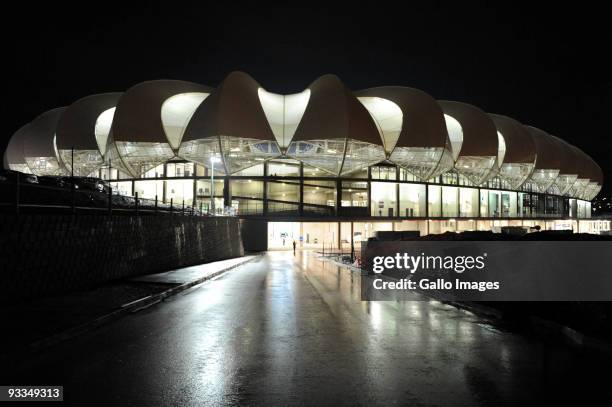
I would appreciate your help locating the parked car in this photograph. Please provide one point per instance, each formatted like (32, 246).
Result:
(10, 176)
(51, 181)
(87, 184)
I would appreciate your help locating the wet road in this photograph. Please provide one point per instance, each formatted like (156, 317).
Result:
(292, 330)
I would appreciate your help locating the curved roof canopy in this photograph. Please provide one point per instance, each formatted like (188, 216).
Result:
(595, 172)
(333, 112)
(596, 180)
(13, 155)
(232, 109)
(582, 162)
(138, 116)
(326, 126)
(146, 126)
(474, 140)
(548, 159)
(76, 126)
(520, 147)
(231, 123)
(568, 170)
(422, 123)
(176, 112)
(39, 136)
(517, 151)
(568, 163)
(547, 150)
(479, 132)
(284, 113)
(336, 133)
(412, 127)
(39, 144)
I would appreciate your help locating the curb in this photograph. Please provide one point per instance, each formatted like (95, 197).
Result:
(572, 337)
(130, 307)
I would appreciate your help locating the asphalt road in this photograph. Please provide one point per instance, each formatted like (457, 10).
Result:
(287, 330)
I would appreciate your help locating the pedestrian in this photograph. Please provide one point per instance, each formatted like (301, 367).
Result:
(294, 244)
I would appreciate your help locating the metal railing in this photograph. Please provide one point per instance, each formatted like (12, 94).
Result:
(25, 197)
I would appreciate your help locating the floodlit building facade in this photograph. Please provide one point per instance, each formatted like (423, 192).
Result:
(388, 154)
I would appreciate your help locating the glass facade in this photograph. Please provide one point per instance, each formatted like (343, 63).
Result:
(247, 188)
(354, 194)
(387, 154)
(284, 191)
(383, 200)
(320, 193)
(294, 189)
(412, 200)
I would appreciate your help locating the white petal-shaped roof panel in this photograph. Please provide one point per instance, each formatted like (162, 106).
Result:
(455, 134)
(388, 117)
(76, 127)
(138, 117)
(501, 149)
(284, 113)
(176, 112)
(102, 128)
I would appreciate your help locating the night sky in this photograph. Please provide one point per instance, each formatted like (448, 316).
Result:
(545, 67)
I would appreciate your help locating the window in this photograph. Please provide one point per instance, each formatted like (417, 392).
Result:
(384, 173)
(434, 200)
(406, 176)
(254, 171)
(203, 189)
(247, 206)
(122, 188)
(450, 178)
(284, 191)
(180, 191)
(412, 200)
(484, 203)
(179, 169)
(246, 188)
(354, 194)
(155, 172)
(320, 192)
(450, 201)
(312, 172)
(468, 202)
(283, 168)
(149, 189)
(384, 199)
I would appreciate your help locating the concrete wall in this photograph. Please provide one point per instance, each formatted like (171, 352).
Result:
(50, 254)
(254, 234)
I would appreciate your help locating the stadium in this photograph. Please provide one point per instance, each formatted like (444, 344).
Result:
(327, 164)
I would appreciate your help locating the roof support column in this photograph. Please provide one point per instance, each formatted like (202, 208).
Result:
(265, 189)
(301, 205)
(338, 196)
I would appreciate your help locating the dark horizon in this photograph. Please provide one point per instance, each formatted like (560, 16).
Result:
(540, 67)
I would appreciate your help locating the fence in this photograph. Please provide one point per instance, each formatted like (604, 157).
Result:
(17, 196)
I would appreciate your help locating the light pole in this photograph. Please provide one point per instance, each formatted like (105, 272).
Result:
(213, 160)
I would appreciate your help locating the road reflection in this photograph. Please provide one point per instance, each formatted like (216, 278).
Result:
(421, 343)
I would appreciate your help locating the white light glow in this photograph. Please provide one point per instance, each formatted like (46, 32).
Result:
(455, 133)
(501, 149)
(103, 127)
(388, 118)
(176, 112)
(284, 113)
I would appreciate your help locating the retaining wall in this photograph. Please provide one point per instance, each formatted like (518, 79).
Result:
(51, 253)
